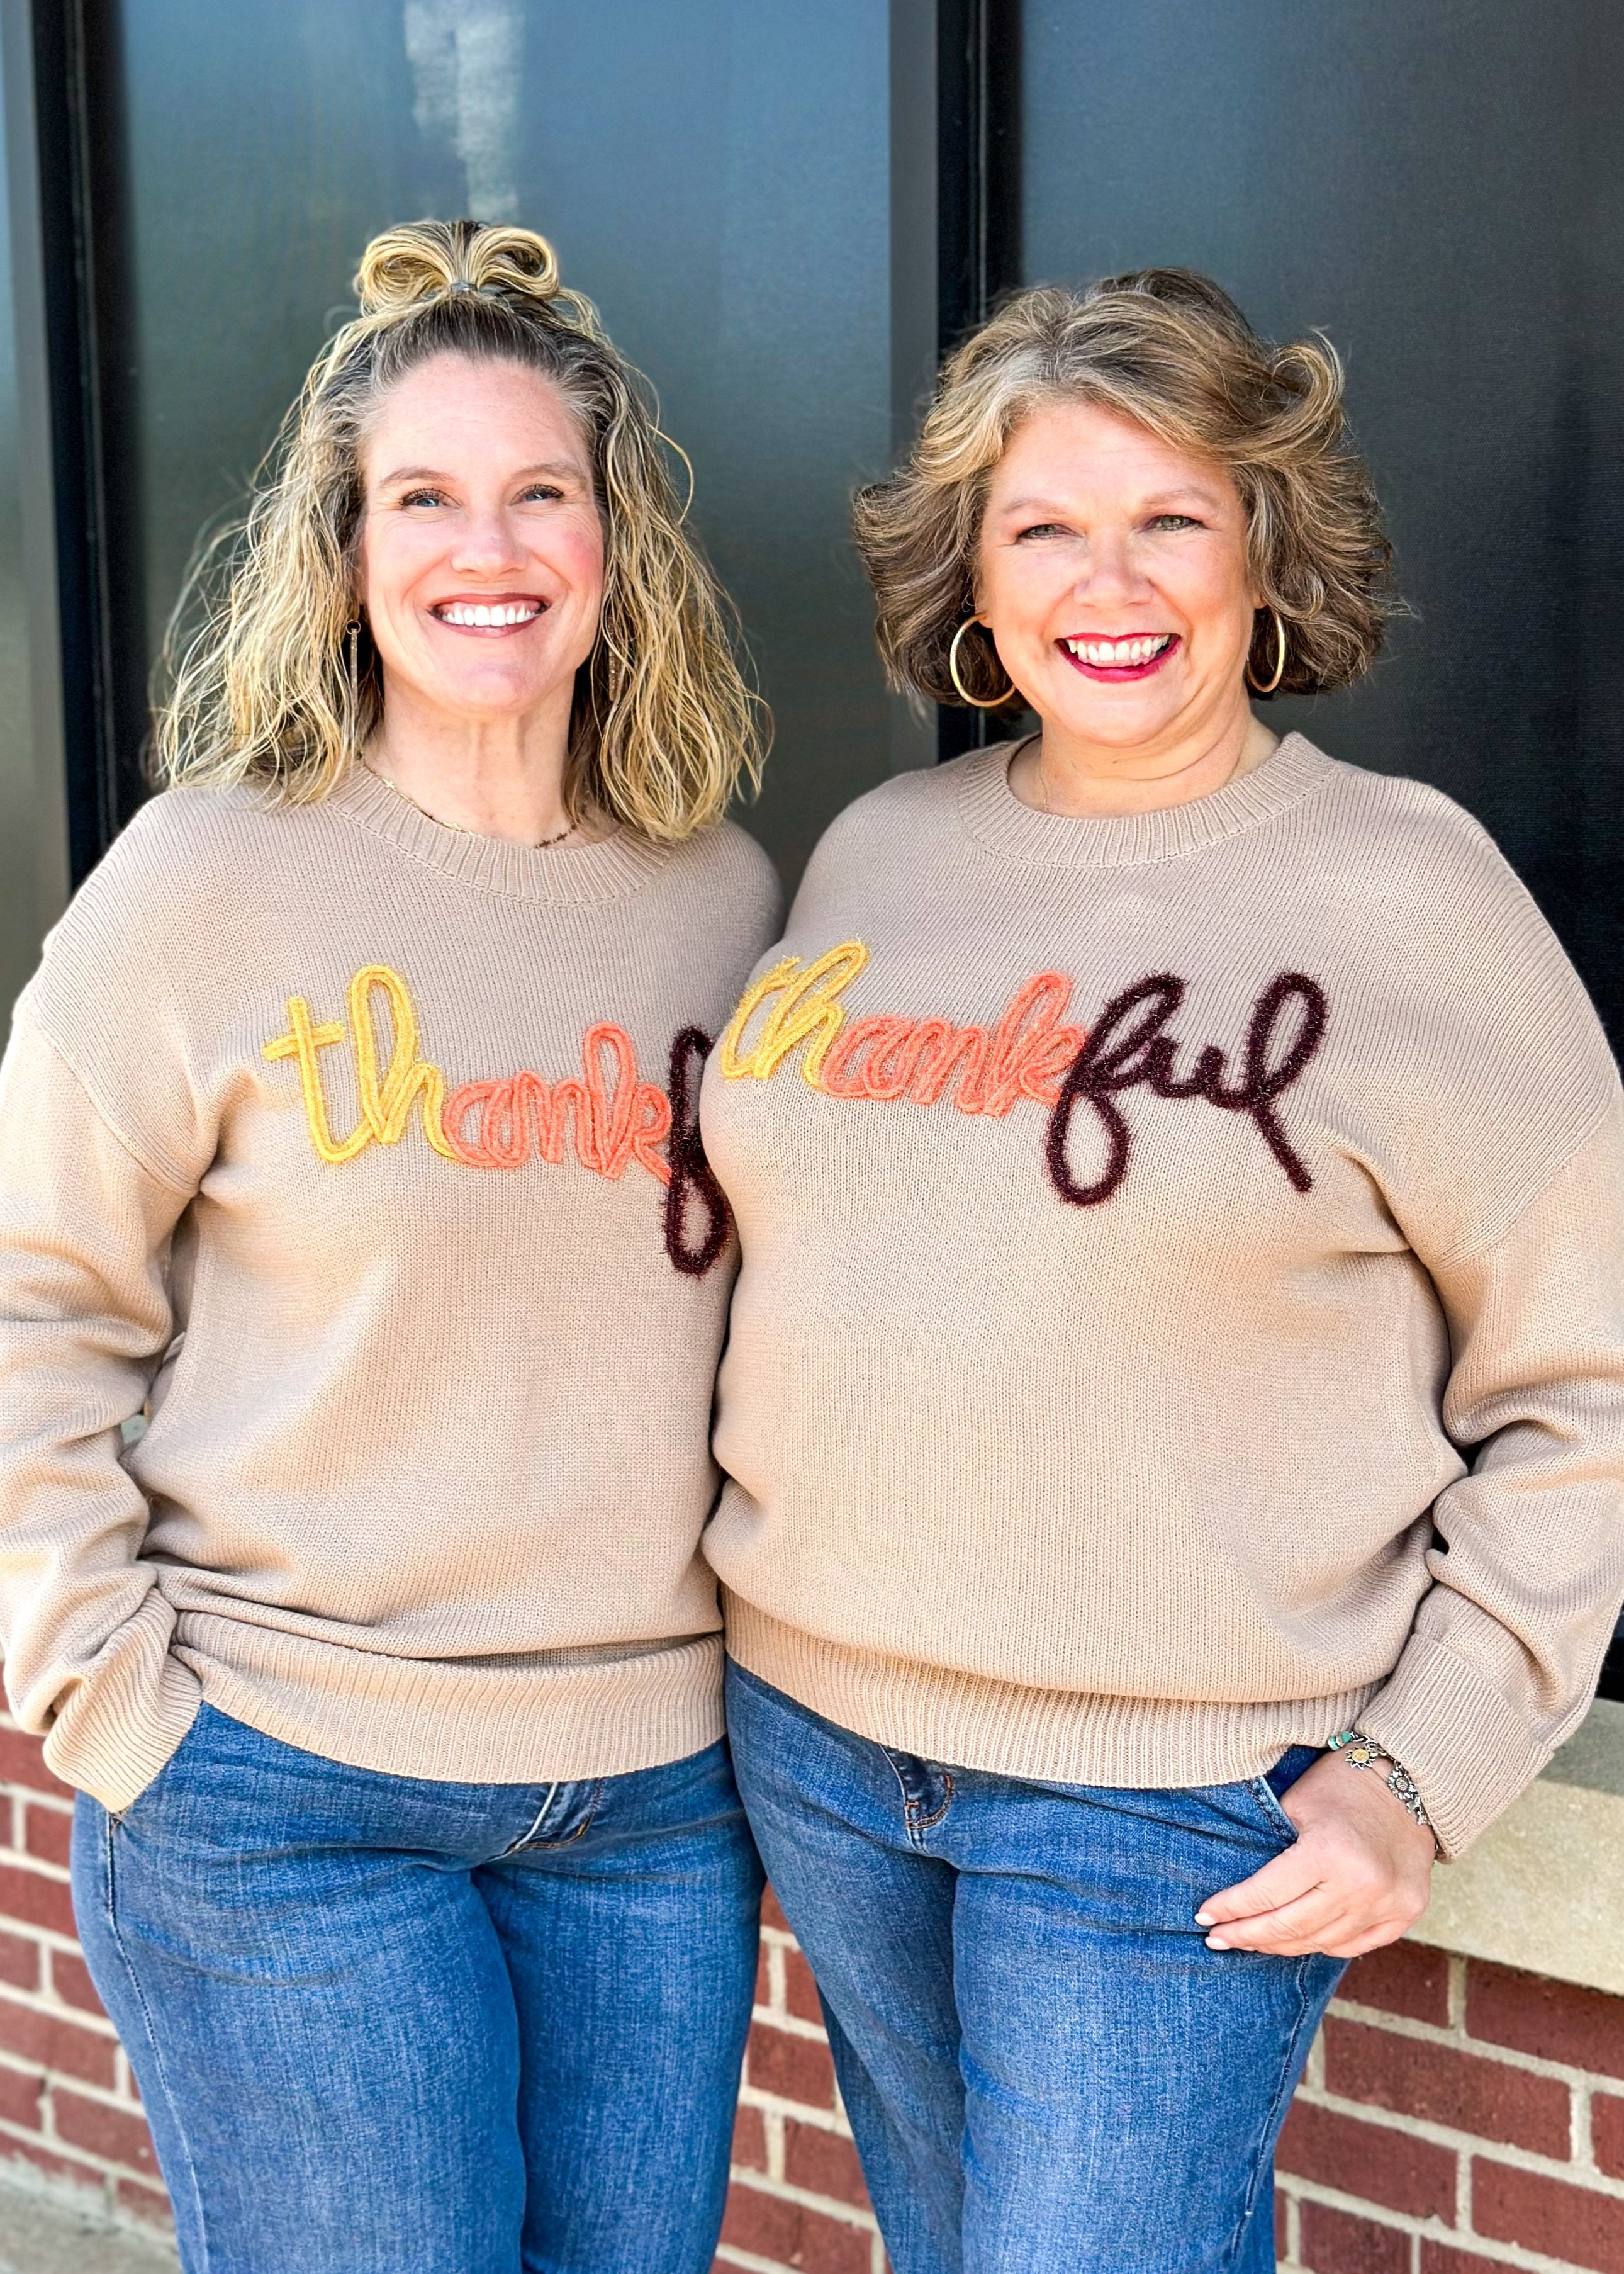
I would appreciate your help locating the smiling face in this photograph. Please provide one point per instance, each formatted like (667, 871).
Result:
(481, 554)
(1113, 577)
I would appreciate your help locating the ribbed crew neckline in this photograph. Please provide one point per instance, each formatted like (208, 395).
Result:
(996, 817)
(571, 876)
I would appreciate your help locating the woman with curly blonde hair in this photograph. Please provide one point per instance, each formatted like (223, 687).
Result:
(1174, 1403)
(348, 1130)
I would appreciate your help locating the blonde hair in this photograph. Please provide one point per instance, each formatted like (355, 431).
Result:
(1169, 349)
(260, 688)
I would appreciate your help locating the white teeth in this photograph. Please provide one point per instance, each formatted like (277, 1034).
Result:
(467, 613)
(1117, 654)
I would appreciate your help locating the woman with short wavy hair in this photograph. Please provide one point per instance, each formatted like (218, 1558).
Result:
(349, 1130)
(1174, 1402)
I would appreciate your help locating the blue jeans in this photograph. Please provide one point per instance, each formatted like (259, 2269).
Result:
(1045, 2066)
(383, 2025)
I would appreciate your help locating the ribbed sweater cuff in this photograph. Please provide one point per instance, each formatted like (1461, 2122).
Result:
(1465, 1746)
(128, 1715)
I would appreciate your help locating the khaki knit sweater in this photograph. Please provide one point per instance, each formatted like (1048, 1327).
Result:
(1182, 1307)
(343, 1142)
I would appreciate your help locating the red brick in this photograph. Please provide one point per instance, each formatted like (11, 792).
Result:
(71, 1980)
(19, 1962)
(763, 2224)
(831, 2247)
(19, 2098)
(1583, 2228)
(1281, 2205)
(1383, 2165)
(1487, 2098)
(750, 2140)
(771, 2228)
(763, 1979)
(799, 1989)
(1439, 2258)
(1334, 2243)
(824, 2164)
(56, 2043)
(146, 2202)
(1553, 2020)
(1404, 1978)
(1608, 2134)
(22, 1761)
(103, 2131)
(49, 1833)
(30, 1895)
(795, 2068)
(771, 1916)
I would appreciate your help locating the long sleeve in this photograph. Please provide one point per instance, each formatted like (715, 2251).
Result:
(85, 1321)
(1527, 1564)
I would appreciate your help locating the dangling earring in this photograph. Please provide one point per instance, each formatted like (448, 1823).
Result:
(355, 680)
(1280, 659)
(965, 695)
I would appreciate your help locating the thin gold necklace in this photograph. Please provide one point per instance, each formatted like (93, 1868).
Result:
(1037, 773)
(536, 844)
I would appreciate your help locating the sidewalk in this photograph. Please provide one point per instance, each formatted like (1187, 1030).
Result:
(42, 2233)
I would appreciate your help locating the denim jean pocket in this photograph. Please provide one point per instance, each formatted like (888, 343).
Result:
(1272, 1809)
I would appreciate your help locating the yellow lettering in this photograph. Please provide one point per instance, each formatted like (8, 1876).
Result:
(386, 1104)
(806, 1012)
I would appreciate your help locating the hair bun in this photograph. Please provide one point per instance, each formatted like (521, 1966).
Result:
(422, 261)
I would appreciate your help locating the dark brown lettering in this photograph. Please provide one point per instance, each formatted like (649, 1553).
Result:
(692, 1178)
(1128, 1048)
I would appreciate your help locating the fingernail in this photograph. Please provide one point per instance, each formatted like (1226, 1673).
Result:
(1216, 1942)
(1204, 1918)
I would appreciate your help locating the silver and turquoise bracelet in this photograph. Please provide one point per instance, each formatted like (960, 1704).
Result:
(1362, 1752)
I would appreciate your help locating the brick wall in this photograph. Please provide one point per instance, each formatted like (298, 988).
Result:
(68, 2103)
(1456, 2116)
(798, 2198)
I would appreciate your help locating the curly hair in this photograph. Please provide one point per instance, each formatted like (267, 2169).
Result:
(1171, 350)
(257, 685)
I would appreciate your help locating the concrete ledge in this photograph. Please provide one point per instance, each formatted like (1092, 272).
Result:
(52, 2230)
(1543, 1888)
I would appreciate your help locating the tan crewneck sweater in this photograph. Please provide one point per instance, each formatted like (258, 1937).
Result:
(344, 1141)
(1126, 1413)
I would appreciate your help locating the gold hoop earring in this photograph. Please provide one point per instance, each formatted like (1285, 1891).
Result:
(965, 695)
(355, 679)
(1280, 659)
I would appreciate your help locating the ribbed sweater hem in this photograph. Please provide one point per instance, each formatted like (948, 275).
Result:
(966, 1720)
(461, 1720)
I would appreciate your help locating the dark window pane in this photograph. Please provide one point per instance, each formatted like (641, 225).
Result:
(33, 835)
(1442, 190)
(715, 174)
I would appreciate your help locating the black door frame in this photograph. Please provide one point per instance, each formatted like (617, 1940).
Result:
(64, 117)
(978, 209)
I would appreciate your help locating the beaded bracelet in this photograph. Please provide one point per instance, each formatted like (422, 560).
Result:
(1362, 1752)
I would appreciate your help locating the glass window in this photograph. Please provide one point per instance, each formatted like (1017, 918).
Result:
(713, 173)
(1444, 194)
(33, 832)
